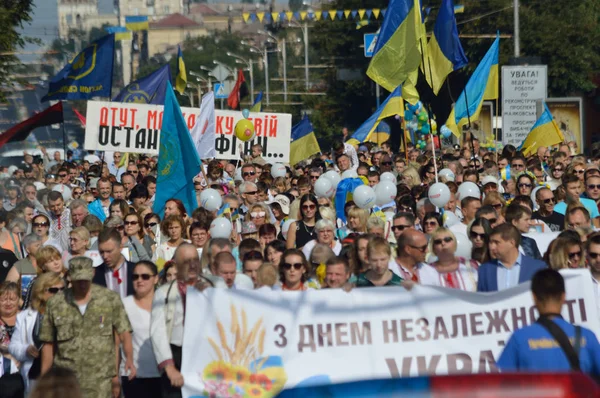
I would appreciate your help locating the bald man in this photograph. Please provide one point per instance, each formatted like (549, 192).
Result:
(541, 153)
(410, 259)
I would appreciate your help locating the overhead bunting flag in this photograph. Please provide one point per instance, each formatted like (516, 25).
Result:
(136, 23)
(376, 12)
(353, 13)
(361, 13)
(275, 16)
(397, 50)
(257, 107)
(52, 115)
(445, 53)
(325, 14)
(320, 15)
(178, 161)
(239, 91)
(393, 105)
(483, 85)
(181, 78)
(304, 142)
(544, 133)
(147, 90)
(260, 16)
(332, 15)
(246, 16)
(303, 15)
(346, 13)
(289, 15)
(340, 14)
(87, 75)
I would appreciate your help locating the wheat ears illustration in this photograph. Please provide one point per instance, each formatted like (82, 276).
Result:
(242, 351)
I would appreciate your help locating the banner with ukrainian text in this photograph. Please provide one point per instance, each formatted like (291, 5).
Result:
(255, 343)
(135, 128)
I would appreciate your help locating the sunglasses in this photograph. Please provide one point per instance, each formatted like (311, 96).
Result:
(548, 201)
(120, 227)
(74, 193)
(492, 220)
(314, 177)
(252, 193)
(593, 255)
(518, 166)
(431, 223)
(523, 185)
(145, 277)
(497, 206)
(581, 171)
(399, 227)
(131, 223)
(386, 163)
(54, 290)
(309, 207)
(249, 173)
(573, 255)
(593, 186)
(420, 248)
(558, 170)
(89, 202)
(151, 224)
(475, 235)
(41, 224)
(62, 175)
(446, 239)
(259, 214)
(288, 266)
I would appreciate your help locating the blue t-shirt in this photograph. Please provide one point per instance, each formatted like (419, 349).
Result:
(534, 349)
(589, 204)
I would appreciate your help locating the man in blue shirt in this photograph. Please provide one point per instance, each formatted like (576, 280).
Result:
(533, 348)
(573, 190)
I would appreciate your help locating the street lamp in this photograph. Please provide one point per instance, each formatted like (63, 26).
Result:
(304, 28)
(197, 75)
(272, 39)
(264, 54)
(248, 63)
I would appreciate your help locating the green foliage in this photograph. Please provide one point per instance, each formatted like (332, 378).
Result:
(295, 5)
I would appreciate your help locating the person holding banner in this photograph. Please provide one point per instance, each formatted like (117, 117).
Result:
(379, 255)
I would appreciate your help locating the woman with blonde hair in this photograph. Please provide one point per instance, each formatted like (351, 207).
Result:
(379, 255)
(357, 220)
(565, 253)
(260, 214)
(451, 271)
(279, 186)
(25, 344)
(495, 200)
(79, 245)
(49, 259)
(410, 177)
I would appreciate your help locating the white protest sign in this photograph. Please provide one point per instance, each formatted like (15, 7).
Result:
(135, 128)
(262, 341)
(522, 87)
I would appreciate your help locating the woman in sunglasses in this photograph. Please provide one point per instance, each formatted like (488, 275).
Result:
(452, 271)
(138, 308)
(525, 184)
(431, 222)
(134, 231)
(566, 252)
(479, 233)
(25, 344)
(379, 254)
(259, 214)
(556, 174)
(152, 226)
(41, 227)
(293, 270)
(303, 230)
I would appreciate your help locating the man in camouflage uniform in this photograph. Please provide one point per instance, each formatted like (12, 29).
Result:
(78, 331)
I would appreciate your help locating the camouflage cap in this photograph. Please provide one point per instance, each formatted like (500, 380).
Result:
(81, 269)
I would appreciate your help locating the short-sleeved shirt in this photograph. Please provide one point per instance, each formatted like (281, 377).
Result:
(85, 343)
(555, 221)
(590, 205)
(533, 348)
(362, 281)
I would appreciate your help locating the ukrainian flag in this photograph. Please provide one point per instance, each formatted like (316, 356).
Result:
(397, 50)
(257, 107)
(483, 85)
(545, 132)
(393, 105)
(181, 80)
(444, 49)
(304, 142)
(136, 23)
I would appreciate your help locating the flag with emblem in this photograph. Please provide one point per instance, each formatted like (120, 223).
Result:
(87, 75)
(178, 161)
(147, 90)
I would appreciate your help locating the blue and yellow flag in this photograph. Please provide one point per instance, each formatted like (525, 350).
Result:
(393, 105)
(445, 51)
(483, 85)
(178, 161)
(545, 132)
(181, 80)
(397, 49)
(257, 107)
(87, 75)
(136, 23)
(121, 32)
(304, 142)
(150, 89)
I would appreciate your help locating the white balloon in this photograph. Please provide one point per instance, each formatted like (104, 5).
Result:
(220, 228)
(286, 227)
(449, 174)
(439, 194)
(278, 170)
(238, 175)
(389, 215)
(324, 188)
(387, 176)
(349, 174)
(334, 177)
(463, 246)
(210, 199)
(364, 196)
(450, 219)
(467, 189)
(385, 192)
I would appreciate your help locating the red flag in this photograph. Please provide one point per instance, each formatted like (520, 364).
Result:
(21, 131)
(80, 117)
(239, 91)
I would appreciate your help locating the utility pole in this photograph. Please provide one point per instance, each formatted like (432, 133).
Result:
(517, 30)
(284, 56)
(266, 61)
(305, 32)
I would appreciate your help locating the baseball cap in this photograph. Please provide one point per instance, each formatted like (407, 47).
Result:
(81, 269)
(489, 180)
(283, 201)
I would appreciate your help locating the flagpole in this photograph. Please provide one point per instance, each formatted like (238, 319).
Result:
(495, 125)
(469, 123)
(64, 133)
(429, 116)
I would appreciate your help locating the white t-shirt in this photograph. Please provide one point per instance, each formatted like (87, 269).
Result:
(143, 354)
(464, 278)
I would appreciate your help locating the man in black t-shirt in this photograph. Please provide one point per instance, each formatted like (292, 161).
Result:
(545, 200)
(7, 260)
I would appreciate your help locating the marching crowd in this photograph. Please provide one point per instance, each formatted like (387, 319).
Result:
(92, 280)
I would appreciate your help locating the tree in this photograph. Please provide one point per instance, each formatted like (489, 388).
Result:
(13, 13)
(295, 5)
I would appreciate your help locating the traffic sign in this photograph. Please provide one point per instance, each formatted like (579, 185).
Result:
(220, 73)
(220, 91)
(370, 41)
